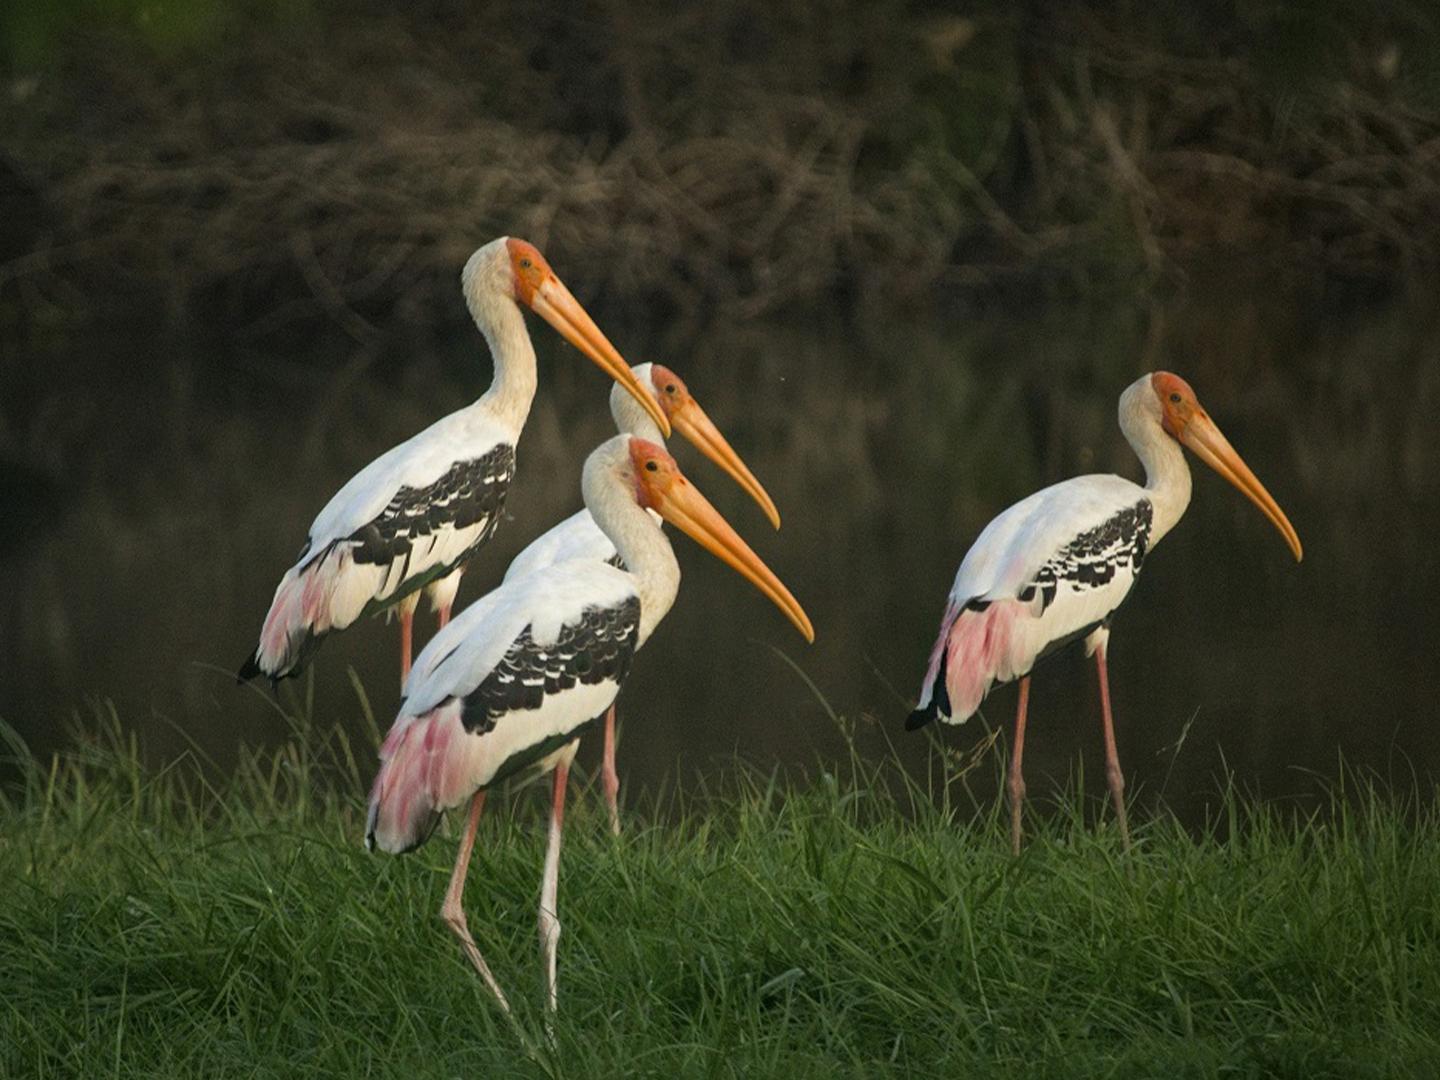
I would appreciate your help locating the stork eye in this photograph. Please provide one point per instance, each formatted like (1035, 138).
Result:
(650, 466)
(1175, 398)
(525, 263)
(670, 389)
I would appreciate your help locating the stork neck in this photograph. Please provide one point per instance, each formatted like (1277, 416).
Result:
(631, 418)
(646, 552)
(1167, 476)
(513, 387)
(644, 427)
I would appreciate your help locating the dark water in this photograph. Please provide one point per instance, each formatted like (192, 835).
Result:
(150, 521)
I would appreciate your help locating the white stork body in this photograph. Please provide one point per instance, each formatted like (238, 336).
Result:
(512, 682)
(1052, 568)
(416, 513)
(501, 688)
(1055, 566)
(413, 513)
(579, 537)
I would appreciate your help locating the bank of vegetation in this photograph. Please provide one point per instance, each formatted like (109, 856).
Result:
(174, 921)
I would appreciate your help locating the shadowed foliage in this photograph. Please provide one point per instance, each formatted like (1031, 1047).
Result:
(278, 162)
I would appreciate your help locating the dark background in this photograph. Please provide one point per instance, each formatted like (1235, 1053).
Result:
(906, 255)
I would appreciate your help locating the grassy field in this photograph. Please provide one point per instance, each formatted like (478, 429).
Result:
(157, 923)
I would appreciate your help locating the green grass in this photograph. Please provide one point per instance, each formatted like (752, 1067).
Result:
(155, 923)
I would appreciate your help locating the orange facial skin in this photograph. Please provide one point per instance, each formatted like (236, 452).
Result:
(539, 289)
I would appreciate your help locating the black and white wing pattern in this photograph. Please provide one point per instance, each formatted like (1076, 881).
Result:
(408, 518)
(1091, 575)
(595, 648)
(424, 533)
(589, 660)
(513, 679)
(1050, 569)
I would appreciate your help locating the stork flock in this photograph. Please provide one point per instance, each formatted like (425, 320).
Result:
(510, 684)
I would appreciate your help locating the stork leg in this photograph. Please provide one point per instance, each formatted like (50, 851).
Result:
(443, 595)
(1113, 775)
(1015, 780)
(454, 914)
(407, 632)
(608, 774)
(549, 887)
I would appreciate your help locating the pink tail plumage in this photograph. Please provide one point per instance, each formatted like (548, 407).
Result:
(422, 772)
(299, 616)
(975, 650)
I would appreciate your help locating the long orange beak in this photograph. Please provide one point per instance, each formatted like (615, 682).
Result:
(692, 422)
(679, 503)
(553, 302)
(1202, 436)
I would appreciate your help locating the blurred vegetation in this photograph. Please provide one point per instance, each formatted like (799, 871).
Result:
(262, 164)
(180, 921)
(921, 247)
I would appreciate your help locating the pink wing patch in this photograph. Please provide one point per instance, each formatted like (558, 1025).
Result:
(301, 608)
(947, 620)
(980, 654)
(420, 775)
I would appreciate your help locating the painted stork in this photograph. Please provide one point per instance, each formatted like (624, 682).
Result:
(1054, 567)
(515, 679)
(578, 537)
(420, 510)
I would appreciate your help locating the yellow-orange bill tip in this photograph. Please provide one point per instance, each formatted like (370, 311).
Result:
(692, 421)
(1205, 439)
(679, 503)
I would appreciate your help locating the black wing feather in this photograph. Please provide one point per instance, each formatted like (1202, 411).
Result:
(599, 646)
(1091, 560)
(470, 491)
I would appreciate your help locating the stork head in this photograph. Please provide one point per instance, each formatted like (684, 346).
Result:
(689, 419)
(659, 485)
(515, 269)
(1184, 420)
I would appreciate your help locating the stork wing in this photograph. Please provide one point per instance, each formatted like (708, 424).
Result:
(1041, 531)
(399, 479)
(577, 537)
(524, 617)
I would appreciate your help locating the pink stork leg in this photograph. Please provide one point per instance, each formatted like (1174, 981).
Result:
(1015, 780)
(608, 774)
(550, 887)
(407, 631)
(454, 913)
(1113, 775)
(443, 595)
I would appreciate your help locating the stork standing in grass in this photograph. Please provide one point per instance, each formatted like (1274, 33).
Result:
(414, 515)
(579, 537)
(513, 681)
(1054, 567)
